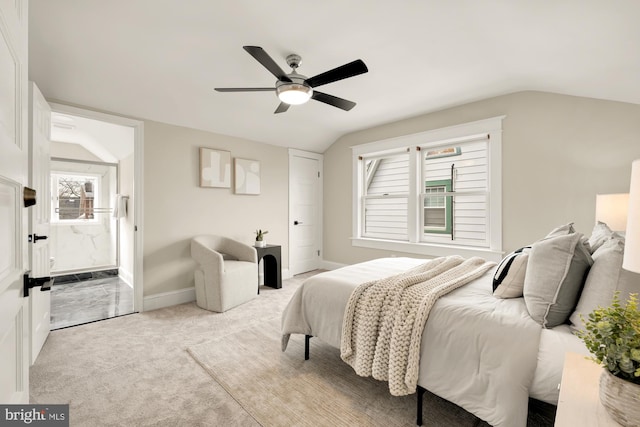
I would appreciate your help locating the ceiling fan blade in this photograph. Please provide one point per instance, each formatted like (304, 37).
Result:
(281, 108)
(263, 57)
(344, 71)
(244, 89)
(333, 100)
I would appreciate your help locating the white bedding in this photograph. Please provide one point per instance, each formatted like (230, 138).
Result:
(477, 351)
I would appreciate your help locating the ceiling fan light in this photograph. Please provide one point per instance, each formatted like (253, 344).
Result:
(294, 93)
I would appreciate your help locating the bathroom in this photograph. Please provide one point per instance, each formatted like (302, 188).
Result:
(91, 235)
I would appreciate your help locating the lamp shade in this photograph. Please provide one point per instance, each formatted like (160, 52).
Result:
(631, 260)
(294, 93)
(612, 210)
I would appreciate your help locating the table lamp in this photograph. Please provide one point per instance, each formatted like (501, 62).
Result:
(612, 209)
(631, 260)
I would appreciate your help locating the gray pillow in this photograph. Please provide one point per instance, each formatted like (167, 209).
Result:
(562, 230)
(556, 271)
(605, 277)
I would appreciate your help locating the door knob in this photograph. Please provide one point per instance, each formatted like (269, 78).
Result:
(297, 222)
(31, 282)
(34, 237)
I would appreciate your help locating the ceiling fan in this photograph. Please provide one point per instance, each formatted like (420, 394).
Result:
(296, 89)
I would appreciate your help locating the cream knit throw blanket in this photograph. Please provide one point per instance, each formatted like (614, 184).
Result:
(384, 319)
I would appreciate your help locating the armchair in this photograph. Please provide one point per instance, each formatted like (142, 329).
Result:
(227, 273)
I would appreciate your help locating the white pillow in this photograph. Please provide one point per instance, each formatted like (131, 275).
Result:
(556, 271)
(600, 234)
(508, 280)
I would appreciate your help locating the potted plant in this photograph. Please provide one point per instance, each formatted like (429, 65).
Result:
(612, 336)
(260, 238)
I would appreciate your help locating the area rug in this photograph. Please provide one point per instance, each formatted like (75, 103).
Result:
(282, 389)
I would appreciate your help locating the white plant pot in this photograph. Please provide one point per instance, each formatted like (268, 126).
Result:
(621, 399)
(260, 243)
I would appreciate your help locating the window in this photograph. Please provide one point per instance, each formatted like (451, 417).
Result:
(74, 196)
(435, 193)
(385, 196)
(438, 209)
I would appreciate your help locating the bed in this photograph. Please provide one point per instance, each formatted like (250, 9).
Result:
(498, 340)
(480, 352)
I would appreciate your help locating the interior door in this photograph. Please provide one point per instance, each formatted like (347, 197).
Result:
(39, 217)
(14, 332)
(305, 212)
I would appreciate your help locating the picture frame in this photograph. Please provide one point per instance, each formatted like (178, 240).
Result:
(215, 168)
(247, 176)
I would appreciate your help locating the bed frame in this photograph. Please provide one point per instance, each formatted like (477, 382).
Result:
(420, 390)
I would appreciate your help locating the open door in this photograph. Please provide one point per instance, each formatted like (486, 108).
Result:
(14, 333)
(39, 220)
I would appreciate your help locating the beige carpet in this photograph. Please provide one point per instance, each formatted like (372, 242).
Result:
(282, 389)
(136, 370)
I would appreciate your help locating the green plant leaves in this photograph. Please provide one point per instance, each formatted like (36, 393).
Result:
(612, 336)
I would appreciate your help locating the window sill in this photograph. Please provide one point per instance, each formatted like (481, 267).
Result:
(429, 249)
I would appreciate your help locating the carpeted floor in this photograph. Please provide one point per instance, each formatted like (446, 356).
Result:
(177, 367)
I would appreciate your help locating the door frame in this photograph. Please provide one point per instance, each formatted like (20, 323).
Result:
(320, 158)
(138, 186)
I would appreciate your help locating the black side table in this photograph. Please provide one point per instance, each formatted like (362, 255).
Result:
(272, 270)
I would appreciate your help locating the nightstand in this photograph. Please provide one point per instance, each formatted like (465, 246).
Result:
(579, 402)
(271, 255)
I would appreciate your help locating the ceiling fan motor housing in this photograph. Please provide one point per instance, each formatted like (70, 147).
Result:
(295, 92)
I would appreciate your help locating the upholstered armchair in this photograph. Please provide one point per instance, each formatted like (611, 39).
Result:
(227, 272)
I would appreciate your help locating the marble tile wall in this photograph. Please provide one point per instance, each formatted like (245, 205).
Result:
(82, 246)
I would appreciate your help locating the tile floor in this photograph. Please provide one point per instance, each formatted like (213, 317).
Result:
(80, 300)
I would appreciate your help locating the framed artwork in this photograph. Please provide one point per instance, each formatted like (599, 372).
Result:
(215, 168)
(247, 176)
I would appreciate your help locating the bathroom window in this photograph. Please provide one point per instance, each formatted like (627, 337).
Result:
(74, 196)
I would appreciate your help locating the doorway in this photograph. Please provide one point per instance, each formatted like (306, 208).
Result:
(96, 256)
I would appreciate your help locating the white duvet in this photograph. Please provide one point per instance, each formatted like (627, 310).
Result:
(477, 351)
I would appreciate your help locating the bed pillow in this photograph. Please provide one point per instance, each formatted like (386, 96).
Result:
(556, 271)
(600, 234)
(605, 277)
(508, 280)
(562, 230)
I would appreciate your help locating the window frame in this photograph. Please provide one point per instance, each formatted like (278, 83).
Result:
(490, 128)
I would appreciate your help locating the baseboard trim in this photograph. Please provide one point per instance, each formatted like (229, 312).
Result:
(330, 265)
(167, 299)
(126, 277)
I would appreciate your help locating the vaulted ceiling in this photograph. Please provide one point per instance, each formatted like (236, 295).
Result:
(161, 59)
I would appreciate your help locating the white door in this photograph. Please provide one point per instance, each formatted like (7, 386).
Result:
(39, 217)
(14, 332)
(305, 211)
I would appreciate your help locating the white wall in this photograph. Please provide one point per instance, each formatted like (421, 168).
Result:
(176, 208)
(68, 150)
(558, 152)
